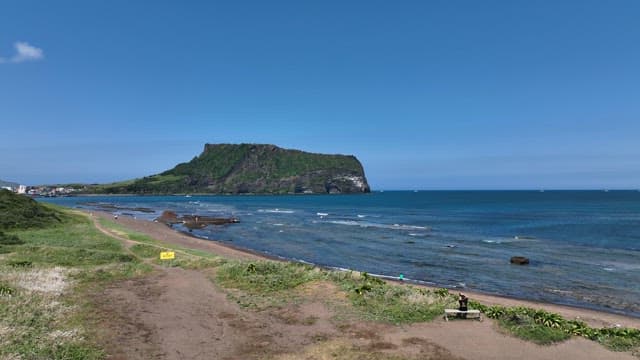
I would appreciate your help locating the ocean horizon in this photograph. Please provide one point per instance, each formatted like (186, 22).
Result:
(583, 245)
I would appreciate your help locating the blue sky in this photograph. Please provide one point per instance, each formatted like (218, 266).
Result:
(427, 94)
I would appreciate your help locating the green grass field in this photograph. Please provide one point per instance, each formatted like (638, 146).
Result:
(44, 278)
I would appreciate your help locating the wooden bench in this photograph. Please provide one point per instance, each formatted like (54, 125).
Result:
(471, 314)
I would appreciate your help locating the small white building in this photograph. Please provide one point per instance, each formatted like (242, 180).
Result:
(7, 188)
(22, 189)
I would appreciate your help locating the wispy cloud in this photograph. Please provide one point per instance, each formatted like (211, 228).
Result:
(24, 52)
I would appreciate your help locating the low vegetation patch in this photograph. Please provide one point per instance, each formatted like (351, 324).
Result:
(145, 251)
(34, 328)
(44, 277)
(373, 298)
(526, 328)
(543, 327)
(399, 304)
(265, 276)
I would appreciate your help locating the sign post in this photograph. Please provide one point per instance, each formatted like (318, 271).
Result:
(167, 255)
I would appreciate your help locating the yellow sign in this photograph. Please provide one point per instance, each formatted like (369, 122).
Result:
(167, 255)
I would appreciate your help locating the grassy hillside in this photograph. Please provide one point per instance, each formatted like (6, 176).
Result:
(252, 168)
(22, 212)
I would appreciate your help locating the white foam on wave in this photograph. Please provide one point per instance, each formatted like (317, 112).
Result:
(366, 224)
(506, 240)
(618, 265)
(418, 234)
(276, 211)
(322, 214)
(345, 222)
(361, 216)
(277, 224)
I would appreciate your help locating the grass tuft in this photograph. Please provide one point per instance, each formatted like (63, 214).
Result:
(6, 290)
(265, 276)
(399, 304)
(526, 328)
(146, 251)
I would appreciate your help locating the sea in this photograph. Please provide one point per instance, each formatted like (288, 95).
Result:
(583, 246)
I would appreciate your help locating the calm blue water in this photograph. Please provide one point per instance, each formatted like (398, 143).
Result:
(584, 246)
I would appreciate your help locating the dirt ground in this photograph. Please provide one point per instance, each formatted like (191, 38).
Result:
(181, 314)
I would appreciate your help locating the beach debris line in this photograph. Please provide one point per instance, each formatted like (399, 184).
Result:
(193, 221)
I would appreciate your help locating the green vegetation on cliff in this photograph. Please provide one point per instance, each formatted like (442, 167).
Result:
(252, 168)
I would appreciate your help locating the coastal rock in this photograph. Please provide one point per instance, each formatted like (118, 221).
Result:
(168, 217)
(194, 221)
(519, 260)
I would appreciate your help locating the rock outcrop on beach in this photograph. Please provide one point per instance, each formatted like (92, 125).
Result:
(253, 169)
(193, 221)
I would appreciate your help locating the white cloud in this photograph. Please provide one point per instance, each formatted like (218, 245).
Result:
(24, 52)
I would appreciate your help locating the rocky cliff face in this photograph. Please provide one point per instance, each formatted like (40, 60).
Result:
(257, 169)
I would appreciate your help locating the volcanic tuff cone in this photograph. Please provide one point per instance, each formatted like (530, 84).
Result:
(256, 169)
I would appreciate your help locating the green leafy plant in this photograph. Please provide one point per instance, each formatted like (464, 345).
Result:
(495, 311)
(548, 319)
(6, 290)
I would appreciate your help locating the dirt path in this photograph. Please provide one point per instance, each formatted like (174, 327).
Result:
(181, 314)
(173, 314)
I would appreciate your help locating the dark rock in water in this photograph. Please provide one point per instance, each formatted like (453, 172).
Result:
(196, 222)
(193, 221)
(519, 260)
(169, 218)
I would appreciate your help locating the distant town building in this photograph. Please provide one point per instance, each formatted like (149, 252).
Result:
(7, 188)
(22, 189)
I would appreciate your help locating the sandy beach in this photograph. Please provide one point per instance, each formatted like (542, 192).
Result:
(205, 325)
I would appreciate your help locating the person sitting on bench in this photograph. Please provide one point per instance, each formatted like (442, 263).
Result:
(463, 301)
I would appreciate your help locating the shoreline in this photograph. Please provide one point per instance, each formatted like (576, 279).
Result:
(162, 232)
